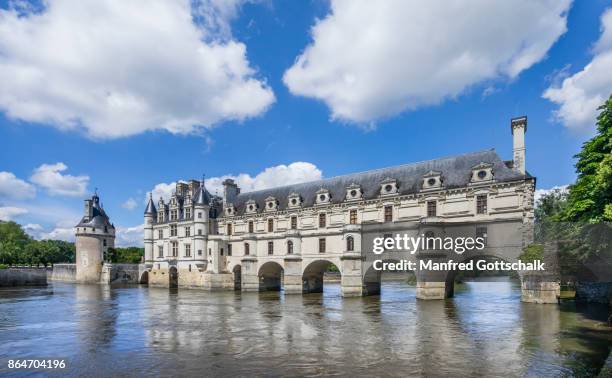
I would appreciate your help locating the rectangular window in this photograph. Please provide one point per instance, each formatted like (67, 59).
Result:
(322, 245)
(229, 228)
(481, 204)
(174, 249)
(251, 227)
(173, 215)
(188, 213)
(353, 217)
(173, 231)
(160, 234)
(104, 242)
(229, 249)
(187, 250)
(199, 231)
(294, 223)
(431, 208)
(247, 250)
(388, 213)
(221, 251)
(160, 251)
(270, 248)
(160, 216)
(481, 232)
(187, 231)
(199, 252)
(270, 225)
(321, 220)
(199, 215)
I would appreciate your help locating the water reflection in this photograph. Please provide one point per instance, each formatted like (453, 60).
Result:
(484, 331)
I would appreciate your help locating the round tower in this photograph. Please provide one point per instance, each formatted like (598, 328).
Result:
(95, 234)
(150, 217)
(201, 208)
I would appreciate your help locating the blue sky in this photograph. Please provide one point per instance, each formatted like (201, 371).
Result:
(305, 118)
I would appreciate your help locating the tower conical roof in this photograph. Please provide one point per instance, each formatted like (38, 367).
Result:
(150, 210)
(202, 197)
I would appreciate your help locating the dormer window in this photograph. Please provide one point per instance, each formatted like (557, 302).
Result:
(294, 200)
(353, 192)
(432, 180)
(388, 187)
(271, 204)
(230, 210)
(482, 172)
(323, 196)
(251, 207)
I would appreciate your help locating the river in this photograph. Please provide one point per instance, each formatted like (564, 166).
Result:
(483, 331)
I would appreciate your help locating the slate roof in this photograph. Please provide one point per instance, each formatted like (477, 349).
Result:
(456, 172)
(98, 218)
(150, 207)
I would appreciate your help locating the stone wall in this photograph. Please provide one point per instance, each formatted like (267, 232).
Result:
(539, 288)
(63, 272)
(594, 292)
(23, 277)
(120, 273)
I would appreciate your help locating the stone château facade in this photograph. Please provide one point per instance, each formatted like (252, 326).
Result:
(287, 236)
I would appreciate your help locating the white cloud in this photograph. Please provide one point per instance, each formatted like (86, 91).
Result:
(50, 176)
(539, 193)
(579, 95)
(58, 233)
(279, 175)
(14, 188)
(130, 204)
(8, 213)
(129, 236)
(373, 59)
(119, 68)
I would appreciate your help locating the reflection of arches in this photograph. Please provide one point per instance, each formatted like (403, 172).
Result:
(237, 277)
(312, 277)
(270, 276)
(173, 277)
(144, 277)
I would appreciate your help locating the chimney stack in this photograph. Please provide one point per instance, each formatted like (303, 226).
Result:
(230, 191)
(518, 127)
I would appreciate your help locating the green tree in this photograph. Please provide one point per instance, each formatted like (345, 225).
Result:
(127, 255)
(590, 198)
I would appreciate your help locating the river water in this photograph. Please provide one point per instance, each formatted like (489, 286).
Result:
(483, 331)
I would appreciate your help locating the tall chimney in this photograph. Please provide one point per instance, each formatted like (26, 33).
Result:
(518, 126)
(230, 191)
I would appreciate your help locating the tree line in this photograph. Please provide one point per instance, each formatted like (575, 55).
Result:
(17, 248)
(579, 220)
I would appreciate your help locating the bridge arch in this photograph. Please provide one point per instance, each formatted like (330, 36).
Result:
(449, 288)
(372, 278)
(313, 273)
(144, 277)
(173, 277)
(270, 275)
(237, 272)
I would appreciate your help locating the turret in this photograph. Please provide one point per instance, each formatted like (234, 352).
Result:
(150, 218)
(201, 207)
(518, 126)
(95, 234)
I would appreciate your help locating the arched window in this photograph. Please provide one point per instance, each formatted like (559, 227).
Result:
(350, 244)
(289, 247)
(270, 225)
(322, 220)
(247, 249)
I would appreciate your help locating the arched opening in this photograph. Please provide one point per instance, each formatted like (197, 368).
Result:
(173, 277)
(375, 280)
(237, 277)
(491, 280)
(317, 273)
(270, 276)
(144, 277)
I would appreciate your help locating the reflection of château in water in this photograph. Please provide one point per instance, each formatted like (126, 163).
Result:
(288, 236)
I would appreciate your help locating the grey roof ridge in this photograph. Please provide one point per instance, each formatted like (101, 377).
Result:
(368, 171)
